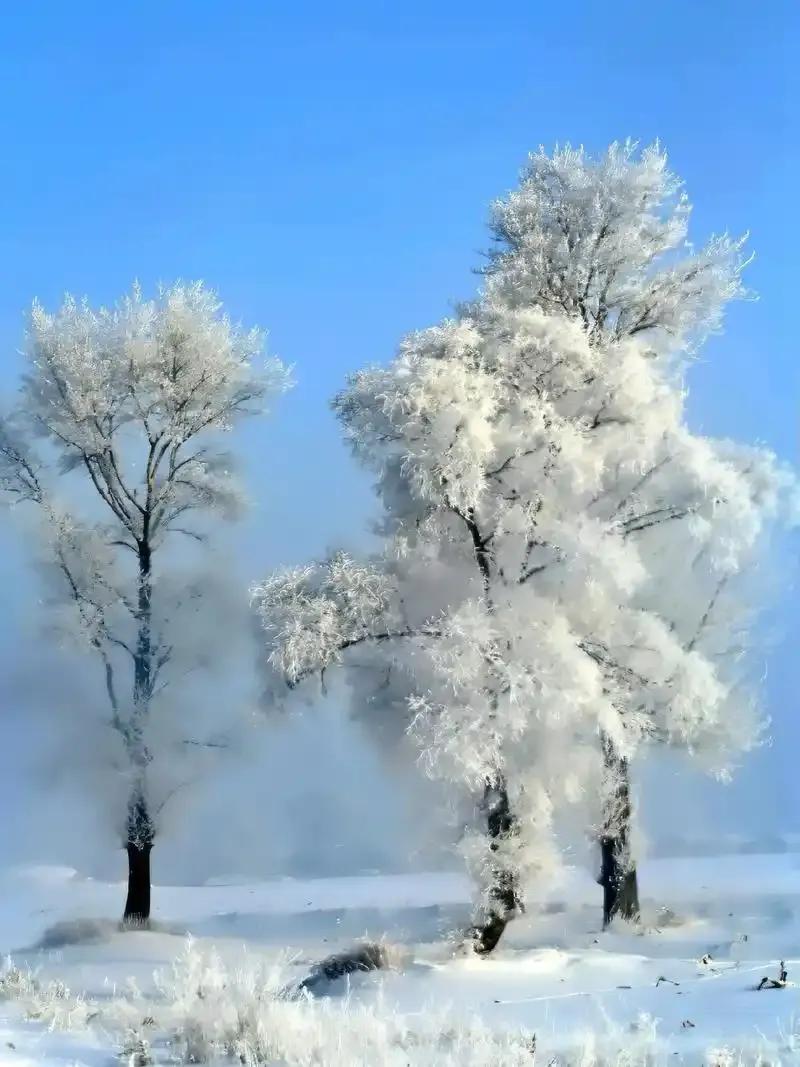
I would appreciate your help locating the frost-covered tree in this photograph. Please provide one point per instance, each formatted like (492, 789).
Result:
(129, 404)
(603, 241)
(560, 582)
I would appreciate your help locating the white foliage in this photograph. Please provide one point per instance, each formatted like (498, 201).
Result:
(164, 370)
(565, 554)
(604, 240)
(133, 399)
(50, 1003)
(312, 614)
(206, 1013)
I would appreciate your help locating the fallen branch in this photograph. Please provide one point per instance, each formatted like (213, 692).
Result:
(370, 956)
(775, 983)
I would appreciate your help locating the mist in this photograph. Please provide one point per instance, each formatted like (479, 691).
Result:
(286, 797)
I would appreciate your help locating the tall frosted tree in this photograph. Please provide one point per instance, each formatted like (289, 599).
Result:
(128, 405)
(562, 579)
(603, 242)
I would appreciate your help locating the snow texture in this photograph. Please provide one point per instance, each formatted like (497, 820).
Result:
(681, 990)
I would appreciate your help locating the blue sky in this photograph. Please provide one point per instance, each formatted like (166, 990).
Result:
(328, 168)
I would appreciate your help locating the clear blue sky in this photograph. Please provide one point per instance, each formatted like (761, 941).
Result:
(328, 166)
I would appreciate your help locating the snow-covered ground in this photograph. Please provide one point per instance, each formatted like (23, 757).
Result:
(680, 989)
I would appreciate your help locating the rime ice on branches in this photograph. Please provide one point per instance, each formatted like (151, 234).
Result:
(565, 575)
(132, 400)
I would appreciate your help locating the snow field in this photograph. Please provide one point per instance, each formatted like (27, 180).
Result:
(682, 990)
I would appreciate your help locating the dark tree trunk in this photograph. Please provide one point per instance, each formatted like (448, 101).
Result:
(137, 904)
(617, 869)
(138, 846)
(505, 899)
(143, 659)
(620, 885)
(140, 829)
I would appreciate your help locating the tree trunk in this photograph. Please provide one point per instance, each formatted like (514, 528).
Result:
(143, 658)
(617, 869)
(504, 896)
(137, 904)
(138, 846)
(140, 829)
